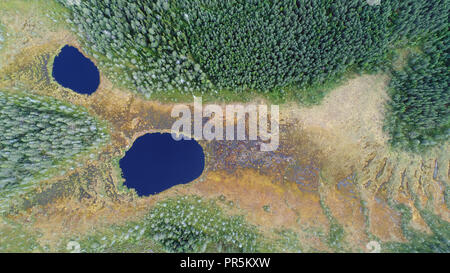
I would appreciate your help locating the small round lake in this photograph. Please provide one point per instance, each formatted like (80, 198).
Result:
(73, 70)
(157, 162)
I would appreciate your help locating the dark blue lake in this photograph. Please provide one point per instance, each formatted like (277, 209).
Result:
(157, 162)
(73, 70)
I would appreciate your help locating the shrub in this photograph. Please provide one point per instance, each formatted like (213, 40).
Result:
(190, 224)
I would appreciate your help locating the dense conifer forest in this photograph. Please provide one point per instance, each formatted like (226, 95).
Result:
(39, 134)
(419, 113)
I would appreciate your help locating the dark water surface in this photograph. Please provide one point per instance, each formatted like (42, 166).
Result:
(156, 162)
(73, 70)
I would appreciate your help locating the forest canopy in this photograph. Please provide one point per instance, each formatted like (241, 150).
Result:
(39, 134)
(210, 45)
(419, 114)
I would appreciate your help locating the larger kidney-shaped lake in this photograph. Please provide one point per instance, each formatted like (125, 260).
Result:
(157, 162)
(73, 70)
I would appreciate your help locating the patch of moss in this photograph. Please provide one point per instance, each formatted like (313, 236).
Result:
(289, 240)
(336, 233)
(16, 239)
(418, 242)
